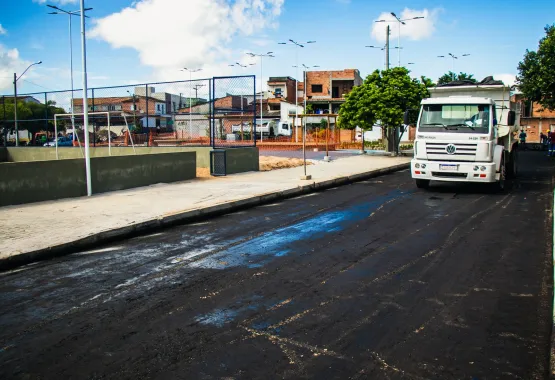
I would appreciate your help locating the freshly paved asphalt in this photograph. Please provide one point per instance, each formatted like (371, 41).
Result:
(375, 280)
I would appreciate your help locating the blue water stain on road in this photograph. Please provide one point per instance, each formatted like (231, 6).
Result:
(263, 249)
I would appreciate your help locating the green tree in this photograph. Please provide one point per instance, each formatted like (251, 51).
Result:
(384, 96)
(536, 72)
(427, 81)
(451, 76)
(31, 116)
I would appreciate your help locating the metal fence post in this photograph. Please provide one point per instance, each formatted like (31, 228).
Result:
(94, 126)
(147, 121)
(212, 112)
(254, 110)
(4, 124)
(45, 117)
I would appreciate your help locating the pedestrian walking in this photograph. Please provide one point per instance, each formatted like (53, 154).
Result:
(550, 143)
(522, 137)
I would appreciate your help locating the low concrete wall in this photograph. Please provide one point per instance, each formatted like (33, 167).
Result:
(239, 160)
(25, 154)
(126, 172)
(26, 182)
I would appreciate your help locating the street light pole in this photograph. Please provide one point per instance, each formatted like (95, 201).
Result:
(70, 14)
(243, 67)
(299, 45)
(85, 100)
(15, 79)
(453, 57)
(191, 71)
(269, 55)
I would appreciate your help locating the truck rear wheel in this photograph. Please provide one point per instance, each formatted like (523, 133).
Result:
(512, 168)
(422, 183)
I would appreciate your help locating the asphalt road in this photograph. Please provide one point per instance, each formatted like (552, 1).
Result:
(375, 280)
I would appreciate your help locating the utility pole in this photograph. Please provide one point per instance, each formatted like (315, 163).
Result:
(387, 47)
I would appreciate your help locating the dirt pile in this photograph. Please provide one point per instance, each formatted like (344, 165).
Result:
(272, 163)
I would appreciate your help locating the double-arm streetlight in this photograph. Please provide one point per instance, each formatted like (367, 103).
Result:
(15, 79)
(304, 81)
(403, 22)
(269, 54)
(296, 45)
(59, 11)
(453, 57)
(191, 71)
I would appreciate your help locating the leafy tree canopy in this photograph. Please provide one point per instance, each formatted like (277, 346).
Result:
(31, 116)
(451, 76)
(427, 81)
(384, 96)
(536, 72)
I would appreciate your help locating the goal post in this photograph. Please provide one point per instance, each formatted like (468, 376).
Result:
(105, 118)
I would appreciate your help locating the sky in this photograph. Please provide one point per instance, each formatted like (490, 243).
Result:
(138, 41)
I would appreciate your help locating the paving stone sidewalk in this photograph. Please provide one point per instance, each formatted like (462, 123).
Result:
(40, 226)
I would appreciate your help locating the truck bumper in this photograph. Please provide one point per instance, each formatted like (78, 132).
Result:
(458, 172)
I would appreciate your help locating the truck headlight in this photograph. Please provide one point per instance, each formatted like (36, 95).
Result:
(423, 166)
(483, 168)
(476, 168)
(417, 166)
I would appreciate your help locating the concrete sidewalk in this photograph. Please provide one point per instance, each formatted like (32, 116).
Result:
(39, 230)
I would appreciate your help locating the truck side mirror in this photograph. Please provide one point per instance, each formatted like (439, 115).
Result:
(511, 118)
(406, 117)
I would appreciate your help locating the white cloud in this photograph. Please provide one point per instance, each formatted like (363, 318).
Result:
(414, 29)
(508, 79)
(59, 2)
(192, 33)
(10, 63)
(2, 30)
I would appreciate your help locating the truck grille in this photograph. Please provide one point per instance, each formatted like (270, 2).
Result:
(462, 149)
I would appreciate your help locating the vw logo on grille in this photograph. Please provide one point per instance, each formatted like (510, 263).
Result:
(450, 149)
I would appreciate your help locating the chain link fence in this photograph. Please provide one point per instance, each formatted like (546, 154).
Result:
(217, 112)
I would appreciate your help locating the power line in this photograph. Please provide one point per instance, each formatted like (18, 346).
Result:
(38, 85)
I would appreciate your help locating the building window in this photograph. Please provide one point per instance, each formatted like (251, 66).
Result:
(317, 88)
(158, 107)
(277, 92)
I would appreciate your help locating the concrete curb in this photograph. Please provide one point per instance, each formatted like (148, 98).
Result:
(188, 216)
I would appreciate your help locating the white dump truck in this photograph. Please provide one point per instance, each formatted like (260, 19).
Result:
(466, 133)
(270, 128)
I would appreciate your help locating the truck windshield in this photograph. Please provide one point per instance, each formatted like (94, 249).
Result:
(455, 118)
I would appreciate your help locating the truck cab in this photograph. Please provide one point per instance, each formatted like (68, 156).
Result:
(461, 138)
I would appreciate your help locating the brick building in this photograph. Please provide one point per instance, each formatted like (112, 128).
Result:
(533, 118)
(282, 88)
(326, 90)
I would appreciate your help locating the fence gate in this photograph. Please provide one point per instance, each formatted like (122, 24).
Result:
(217, 163)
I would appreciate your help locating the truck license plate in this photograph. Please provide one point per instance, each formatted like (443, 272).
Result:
(449, 167)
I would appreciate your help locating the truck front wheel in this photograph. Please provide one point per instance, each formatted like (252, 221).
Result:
(422, 183)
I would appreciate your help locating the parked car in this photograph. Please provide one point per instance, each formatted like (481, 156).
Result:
(62, 141)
